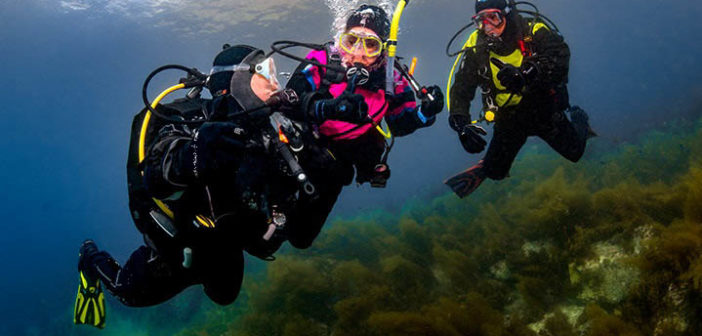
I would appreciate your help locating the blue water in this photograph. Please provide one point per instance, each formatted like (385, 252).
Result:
(71, 81)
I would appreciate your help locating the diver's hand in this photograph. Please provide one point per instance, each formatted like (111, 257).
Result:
(214, 150)
(530, 71)
(511, 78)
(472, 139)
(431, 108)
(471, 136)
(347, 107)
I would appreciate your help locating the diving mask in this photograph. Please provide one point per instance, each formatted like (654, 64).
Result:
(267, 70)
(372, 44)
(254, 80)
(493, 17)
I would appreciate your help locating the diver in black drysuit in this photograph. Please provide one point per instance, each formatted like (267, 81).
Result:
(528, 97)
(213, 177)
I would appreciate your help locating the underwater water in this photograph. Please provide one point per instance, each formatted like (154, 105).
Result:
(611, 245)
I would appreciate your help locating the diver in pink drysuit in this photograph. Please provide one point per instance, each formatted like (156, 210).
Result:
(350, 121)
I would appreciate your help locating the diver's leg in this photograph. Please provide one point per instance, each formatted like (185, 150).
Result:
(507, 139)
(568, 138)
(222, 281)
(145, 280)
(309, 216)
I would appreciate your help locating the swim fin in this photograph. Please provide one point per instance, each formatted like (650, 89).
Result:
(90, 301)
(466, 182)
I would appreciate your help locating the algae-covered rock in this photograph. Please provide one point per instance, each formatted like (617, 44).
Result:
(607, 277)
(561, 322)
(500, 270)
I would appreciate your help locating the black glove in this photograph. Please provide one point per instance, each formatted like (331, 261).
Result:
(511, 78)
(515, 79)
(347, 107)
(471, 136)
(432, 108)
(214, 150)
(530, 71)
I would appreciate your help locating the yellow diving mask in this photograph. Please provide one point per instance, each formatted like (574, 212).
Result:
(372, 44)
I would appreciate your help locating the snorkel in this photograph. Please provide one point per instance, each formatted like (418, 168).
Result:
(391, 46)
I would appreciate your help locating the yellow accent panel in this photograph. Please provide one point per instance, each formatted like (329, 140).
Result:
(470, 42)
(537, 27)
(515, 59)
(502, 98)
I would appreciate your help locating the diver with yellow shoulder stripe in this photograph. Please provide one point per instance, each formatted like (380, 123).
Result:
(521, 66)
(208, 179)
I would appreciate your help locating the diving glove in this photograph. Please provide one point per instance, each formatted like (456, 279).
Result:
(516, 79)
(347, 107)
(431, 108)
(471, 136)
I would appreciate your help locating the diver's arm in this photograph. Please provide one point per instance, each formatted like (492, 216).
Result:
(408, 121)
(462, 93)
(552, 57)
(404, 116)
(466, 82)
(304, 81)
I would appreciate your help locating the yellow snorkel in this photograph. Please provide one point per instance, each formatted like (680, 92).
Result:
(391, 47)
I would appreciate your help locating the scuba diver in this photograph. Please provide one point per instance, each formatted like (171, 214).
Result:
(344, 92)
(208, 179)
(521, 66)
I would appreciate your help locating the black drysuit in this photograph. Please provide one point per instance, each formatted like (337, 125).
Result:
(537, 110)
(214, 220)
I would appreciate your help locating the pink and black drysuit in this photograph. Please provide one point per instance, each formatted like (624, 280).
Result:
(354, 147)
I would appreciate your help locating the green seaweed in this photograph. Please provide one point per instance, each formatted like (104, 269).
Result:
(599, 323)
